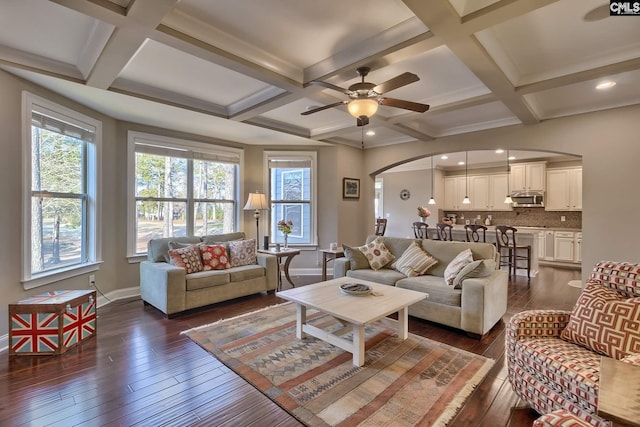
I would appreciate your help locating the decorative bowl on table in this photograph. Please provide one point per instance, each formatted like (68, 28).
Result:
(357, 289)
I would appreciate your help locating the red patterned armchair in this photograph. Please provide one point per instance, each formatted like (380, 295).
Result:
(553, 357)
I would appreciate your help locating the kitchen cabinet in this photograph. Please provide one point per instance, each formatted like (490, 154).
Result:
(577, 252)
(563, 247)
(487, 192)
(528, 176)
(549, 245)
(564, 190)
(455, 188)
(541, 244)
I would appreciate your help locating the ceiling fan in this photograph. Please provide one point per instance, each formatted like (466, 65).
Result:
(364, 97)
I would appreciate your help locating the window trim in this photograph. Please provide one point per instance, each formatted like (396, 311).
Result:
(93, 182)
(296, 156)
(177, 147)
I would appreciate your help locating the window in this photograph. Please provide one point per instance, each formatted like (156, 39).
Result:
(180, 188)
(292, 195)
(61, 174)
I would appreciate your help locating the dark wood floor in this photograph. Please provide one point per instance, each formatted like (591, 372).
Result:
(139, 370)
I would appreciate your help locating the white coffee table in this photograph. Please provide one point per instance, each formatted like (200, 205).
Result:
(354, 311)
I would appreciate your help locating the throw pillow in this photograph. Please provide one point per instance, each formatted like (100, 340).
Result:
(357, 260)
(187, 258)
(377, 254)
(243, 252)
(456, 265)
(414, 261)
(604, 321)
(214, 257)
(477, 268)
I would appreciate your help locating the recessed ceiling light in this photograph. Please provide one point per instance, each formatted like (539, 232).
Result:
(499, 151)
(512, 157)
(606, 85)
(371, 133)
(461, 163)
(444, 157)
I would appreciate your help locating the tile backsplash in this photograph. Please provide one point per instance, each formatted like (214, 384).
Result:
(529, 217)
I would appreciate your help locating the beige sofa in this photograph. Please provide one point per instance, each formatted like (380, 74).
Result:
(475, 308)
(169, 289)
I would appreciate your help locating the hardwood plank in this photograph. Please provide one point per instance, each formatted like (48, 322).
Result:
(139, 369)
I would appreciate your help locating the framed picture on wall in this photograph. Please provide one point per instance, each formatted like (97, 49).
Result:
(350, 188)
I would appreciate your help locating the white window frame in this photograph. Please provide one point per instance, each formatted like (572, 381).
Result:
(296, 156)
(93, 254)
(191, 150)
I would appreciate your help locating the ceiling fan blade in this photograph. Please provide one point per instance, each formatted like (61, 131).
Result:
(330, 86)
(315, 110)
(396, 82)
(407, 105)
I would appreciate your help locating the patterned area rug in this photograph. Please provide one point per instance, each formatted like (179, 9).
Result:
(403, 383)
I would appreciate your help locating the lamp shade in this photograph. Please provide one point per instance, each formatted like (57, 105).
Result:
(362, 107)
(256, 201)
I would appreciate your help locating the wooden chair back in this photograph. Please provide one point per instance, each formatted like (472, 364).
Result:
(420, 230)
(476, 233)
(444, 231)
(380, 227)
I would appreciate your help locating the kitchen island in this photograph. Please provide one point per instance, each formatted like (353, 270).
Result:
(525, 236)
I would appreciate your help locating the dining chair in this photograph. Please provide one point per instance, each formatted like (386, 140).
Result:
(476, 232)
(420, 230)
(509, 250)
(381, 226)
(444, 231)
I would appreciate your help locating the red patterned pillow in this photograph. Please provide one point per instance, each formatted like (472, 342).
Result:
(214, 257)
(187, 258)
(605, 322)
(243, 252)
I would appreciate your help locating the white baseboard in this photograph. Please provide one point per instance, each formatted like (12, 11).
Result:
(117, 295)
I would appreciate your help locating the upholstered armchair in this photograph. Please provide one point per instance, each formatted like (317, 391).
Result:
(553, 356)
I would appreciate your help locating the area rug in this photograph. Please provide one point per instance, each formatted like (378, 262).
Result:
(402, 383)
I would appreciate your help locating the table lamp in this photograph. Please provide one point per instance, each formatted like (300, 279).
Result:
(258, 202)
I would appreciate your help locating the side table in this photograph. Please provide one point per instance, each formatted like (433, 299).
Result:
(286, 254)
(619, 392)
(328, 255)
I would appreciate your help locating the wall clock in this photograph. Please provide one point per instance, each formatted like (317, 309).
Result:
(405, 194)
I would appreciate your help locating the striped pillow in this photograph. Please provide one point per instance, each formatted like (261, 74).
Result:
(414, 261)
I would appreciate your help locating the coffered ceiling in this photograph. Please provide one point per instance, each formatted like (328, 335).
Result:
(240, 70)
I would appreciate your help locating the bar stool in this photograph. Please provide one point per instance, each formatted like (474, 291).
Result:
(444, 231)
(381, 226)
(420, 230)
(476, 232)
(506, 240)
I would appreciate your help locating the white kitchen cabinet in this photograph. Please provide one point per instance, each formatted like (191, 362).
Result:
(528, 176)
(549, 244)
(487, 192)
(563, 247)
(455, 188)
(564, 190)
(577, 253)
(541, 244)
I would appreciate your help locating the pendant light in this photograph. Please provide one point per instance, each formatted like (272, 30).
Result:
(508, 198)
(466, 200)
(432, 201)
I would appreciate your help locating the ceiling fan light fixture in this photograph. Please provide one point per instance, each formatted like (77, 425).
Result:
(362, 107)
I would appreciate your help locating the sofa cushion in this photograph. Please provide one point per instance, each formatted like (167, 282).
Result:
(385, 276)
(439, 292)
(396, 245)
(377, 254)
(621, 276)
(456, 265)
(210, 239)
(214, 257)
(446, 251)
(357, 260)
(477, 268)
(187, 258)
(605, 321)
(207, 279)
(158, 249)
(243, 252)
(414, 261)
(246, 272)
